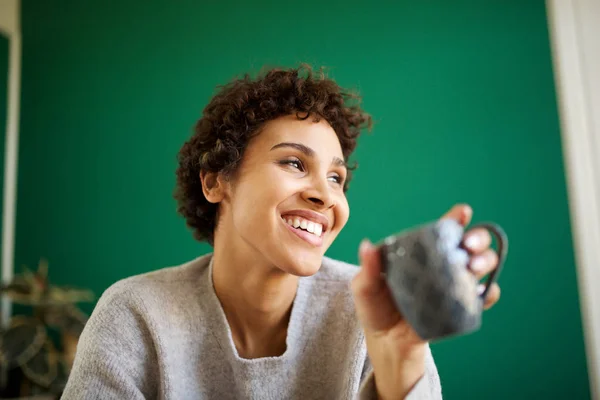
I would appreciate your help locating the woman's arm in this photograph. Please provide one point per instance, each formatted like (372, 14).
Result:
(428, 387)
(115, 356)
(395, 349)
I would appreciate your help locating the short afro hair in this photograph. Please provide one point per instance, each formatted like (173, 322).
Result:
(237, 113)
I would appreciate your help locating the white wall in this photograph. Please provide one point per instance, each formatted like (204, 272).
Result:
(10, 26)
(575, 35)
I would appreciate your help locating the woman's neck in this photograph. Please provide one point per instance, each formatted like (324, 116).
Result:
(257, 300)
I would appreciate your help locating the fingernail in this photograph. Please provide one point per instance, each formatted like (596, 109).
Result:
(468, 210)
(364, 245)
(467, 213)
(478, 264)
(472, 241)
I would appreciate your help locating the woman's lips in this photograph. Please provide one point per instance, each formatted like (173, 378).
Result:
(308, 237)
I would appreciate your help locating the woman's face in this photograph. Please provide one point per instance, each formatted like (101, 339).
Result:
(286, 203)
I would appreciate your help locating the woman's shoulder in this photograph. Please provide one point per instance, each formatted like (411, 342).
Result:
(157, 284)
(133, 318)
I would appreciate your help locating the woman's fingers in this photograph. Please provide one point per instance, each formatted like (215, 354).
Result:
(477, 240)
(462, 213)
(483, 260)
(371, 268)
(374, 304)
(484, 263)
(492, 297)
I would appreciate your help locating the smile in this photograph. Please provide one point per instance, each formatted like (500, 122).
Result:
(306, 225)
(301, 229)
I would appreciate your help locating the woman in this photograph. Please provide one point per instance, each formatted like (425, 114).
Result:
(266, 315)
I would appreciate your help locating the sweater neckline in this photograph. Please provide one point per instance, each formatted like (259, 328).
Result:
(224, 337)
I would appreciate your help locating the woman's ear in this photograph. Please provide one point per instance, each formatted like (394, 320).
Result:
(213, 186)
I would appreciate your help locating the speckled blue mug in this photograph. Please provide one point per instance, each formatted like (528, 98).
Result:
(426, 270)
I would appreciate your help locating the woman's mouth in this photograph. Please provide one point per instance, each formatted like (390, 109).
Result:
(305, 229)
(304, 224)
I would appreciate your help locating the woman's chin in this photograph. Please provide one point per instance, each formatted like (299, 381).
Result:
(306, 272)
(304, 266)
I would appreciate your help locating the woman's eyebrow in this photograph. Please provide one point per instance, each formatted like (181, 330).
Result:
(309, 152)
(339, 162)
(298, 146)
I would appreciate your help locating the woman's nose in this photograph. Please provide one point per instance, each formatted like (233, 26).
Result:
(319, 194)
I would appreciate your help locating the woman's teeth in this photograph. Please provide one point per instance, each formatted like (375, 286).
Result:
(310, 226)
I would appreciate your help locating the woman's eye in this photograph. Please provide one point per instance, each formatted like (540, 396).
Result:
(293, 163)
(336, 178)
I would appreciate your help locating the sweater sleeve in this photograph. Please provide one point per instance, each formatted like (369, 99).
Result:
(115, 357)
(427, 388)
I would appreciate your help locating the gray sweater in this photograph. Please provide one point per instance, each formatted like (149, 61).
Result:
(163, 335)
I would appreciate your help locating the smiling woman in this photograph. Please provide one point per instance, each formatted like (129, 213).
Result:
(292, 170)
(263, 179)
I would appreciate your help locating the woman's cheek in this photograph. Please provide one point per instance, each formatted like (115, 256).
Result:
(344, 210)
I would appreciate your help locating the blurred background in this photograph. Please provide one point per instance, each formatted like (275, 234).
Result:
(466, 110)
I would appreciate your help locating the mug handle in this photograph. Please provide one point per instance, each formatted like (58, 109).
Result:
(502, 239)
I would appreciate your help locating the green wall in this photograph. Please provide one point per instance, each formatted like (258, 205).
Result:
(466, 111)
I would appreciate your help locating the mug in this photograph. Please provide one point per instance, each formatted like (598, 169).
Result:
(426, 271)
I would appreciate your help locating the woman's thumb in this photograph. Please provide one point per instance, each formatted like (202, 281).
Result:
(368, 281)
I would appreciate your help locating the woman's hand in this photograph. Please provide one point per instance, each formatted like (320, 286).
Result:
(395, 350)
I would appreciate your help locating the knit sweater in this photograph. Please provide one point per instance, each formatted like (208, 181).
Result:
(164, 335)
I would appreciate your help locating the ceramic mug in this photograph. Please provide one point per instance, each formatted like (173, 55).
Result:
(426, 271)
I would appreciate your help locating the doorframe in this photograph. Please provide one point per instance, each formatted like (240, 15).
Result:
(574, 28)
(10, 26)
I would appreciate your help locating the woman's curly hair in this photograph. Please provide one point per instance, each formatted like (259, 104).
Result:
(237, 113)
